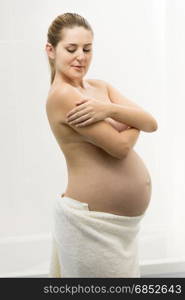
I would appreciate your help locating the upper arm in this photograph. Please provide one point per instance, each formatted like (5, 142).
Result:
(99, 133)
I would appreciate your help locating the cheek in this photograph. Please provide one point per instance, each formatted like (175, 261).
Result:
(65, 62)
(69, 60)
(90, 57)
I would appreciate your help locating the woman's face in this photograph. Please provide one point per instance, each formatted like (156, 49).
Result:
(75, 49)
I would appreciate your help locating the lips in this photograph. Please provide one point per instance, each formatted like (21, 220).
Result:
(78, 66)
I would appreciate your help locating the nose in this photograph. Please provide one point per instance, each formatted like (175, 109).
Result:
(81, 55)
(80, 58)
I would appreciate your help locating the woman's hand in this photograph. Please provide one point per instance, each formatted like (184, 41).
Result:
(88, 111)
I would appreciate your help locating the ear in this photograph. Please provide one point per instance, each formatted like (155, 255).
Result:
(50, 50)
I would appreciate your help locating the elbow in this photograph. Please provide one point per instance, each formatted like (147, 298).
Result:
(153, 127)
(124, 152)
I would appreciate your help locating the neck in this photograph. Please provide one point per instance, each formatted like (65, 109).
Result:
(77, 83)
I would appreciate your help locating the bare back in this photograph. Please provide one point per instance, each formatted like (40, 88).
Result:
(122, 187)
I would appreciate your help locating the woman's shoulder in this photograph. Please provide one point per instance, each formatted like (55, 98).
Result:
(65, 88)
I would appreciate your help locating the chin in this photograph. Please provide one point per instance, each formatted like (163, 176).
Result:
(80, 74)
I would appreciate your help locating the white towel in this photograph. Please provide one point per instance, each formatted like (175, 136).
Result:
(92, 243)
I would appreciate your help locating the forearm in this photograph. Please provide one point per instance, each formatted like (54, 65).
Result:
(132, 116)
(130, 137)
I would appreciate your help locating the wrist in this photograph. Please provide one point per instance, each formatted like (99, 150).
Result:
(110, 110)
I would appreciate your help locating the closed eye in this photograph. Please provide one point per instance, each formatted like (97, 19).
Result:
(85, 50)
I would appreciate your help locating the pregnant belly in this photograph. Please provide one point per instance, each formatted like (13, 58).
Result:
(122, 187)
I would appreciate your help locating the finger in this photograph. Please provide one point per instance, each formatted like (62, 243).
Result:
(74, 110)
(77, 114)
(79, 119)
(71, 112)
(90, 121)
(81, 101)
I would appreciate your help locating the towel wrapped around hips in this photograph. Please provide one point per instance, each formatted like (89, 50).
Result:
(92, 243)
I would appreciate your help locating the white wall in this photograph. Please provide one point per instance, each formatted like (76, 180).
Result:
(139, 48)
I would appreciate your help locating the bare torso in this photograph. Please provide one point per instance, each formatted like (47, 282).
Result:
(107, 184)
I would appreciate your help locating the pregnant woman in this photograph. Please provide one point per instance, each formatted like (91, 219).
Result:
(97, 217)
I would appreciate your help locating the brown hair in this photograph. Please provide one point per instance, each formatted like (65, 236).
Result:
(54, 35)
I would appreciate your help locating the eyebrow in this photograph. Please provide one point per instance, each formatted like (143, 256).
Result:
(77, 44)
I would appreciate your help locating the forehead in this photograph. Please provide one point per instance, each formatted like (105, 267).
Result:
(77, 35)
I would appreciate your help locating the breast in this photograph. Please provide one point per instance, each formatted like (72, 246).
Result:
(117, 125)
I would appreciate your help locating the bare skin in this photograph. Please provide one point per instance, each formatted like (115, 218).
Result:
(121, 187)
